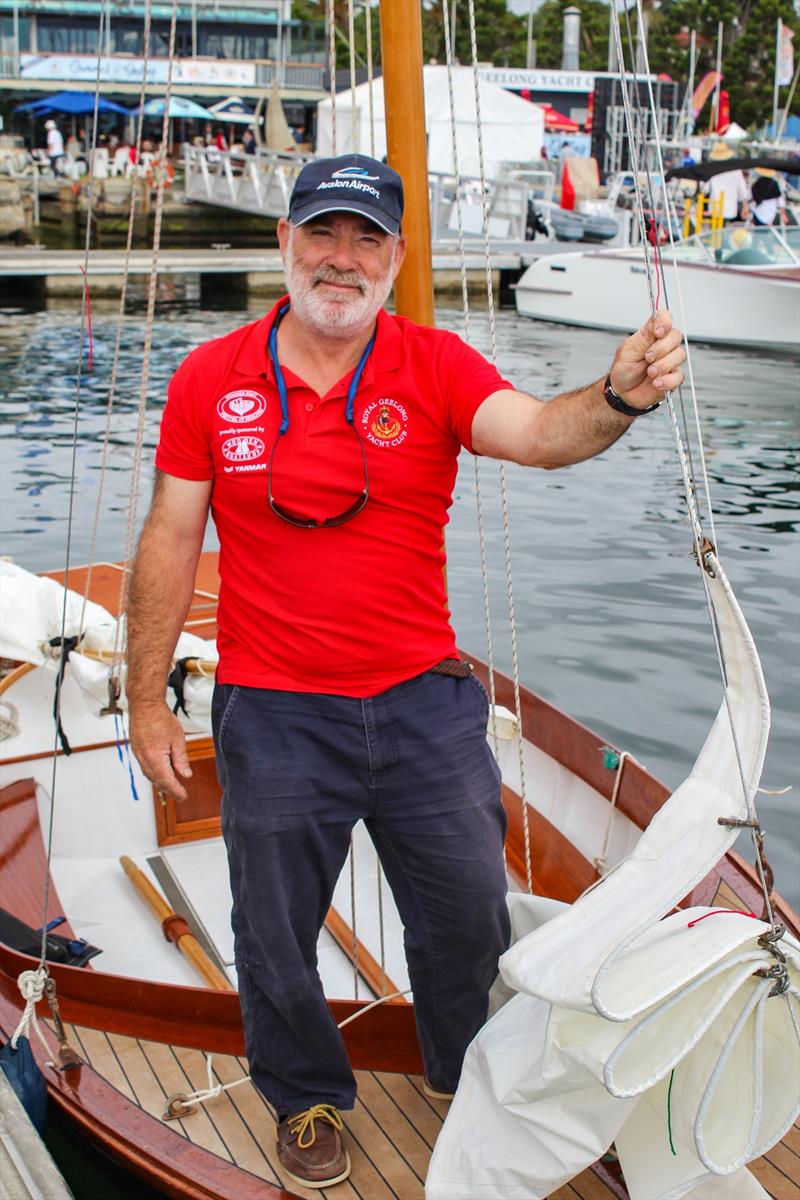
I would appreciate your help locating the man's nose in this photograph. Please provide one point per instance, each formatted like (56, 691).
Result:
(342, 254)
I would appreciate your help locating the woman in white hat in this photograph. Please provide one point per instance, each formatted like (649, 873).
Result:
(55, 147)
(730, 185)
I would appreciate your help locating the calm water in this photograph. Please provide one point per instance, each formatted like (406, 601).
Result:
(611, 619)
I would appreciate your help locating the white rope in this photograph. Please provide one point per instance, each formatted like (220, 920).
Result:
(373, 1004)
(130, 532)
(9, 720)
(213, 1090)
(72, 484)
(370, 89)
(120, 318)
(332, 70)
(354, 955)
(31, 984)
(685, 470)
(351, 32)
(467, 337)
(501, 469)
(600, 861)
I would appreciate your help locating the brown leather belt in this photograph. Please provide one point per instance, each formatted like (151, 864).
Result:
(456, 667)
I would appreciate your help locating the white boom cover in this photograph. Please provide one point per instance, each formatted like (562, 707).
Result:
(31, 611)
(629, 1025)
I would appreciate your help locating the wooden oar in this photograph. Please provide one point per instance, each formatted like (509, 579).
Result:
(194, 666)
(175, 928)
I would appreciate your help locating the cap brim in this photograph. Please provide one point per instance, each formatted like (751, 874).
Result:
(319, 207)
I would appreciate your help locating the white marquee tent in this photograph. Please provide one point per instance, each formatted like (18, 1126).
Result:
(513, 129)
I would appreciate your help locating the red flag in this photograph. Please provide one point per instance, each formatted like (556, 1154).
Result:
(724, 114)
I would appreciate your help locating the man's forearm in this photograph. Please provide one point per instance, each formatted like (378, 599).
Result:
(162, 585)
(575, 426)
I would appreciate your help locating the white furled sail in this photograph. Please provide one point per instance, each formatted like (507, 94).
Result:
(31, 608)
(676, 1036)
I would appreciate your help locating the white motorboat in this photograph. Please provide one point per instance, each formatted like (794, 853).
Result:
(737, 286)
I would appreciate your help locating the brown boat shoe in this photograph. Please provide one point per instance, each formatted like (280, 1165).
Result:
(435, 1093)
(310, 1147)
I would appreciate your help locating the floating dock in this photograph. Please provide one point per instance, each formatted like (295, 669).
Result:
(60, 272)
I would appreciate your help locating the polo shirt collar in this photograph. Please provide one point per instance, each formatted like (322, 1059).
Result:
(252, 357)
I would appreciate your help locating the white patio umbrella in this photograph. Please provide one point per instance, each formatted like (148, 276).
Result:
(233, 111)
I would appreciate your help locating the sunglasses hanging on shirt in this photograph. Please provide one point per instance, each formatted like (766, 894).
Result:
(285, 514)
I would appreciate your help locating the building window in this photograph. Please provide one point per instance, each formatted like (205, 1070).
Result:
(75, 38)
(244, 45)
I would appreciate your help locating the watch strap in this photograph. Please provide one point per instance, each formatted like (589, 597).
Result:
(621, 405)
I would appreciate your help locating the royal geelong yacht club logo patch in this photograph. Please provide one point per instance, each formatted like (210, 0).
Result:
(241, 407)
(385, 423)
(242, 449)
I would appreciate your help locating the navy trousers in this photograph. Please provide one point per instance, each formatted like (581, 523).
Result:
(298, 771)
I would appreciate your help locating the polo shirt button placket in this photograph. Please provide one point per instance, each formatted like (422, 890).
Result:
(309, 407)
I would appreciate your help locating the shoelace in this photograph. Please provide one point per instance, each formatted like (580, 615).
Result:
(303, 1122)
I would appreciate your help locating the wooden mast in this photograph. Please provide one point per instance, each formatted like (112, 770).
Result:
(407, 150)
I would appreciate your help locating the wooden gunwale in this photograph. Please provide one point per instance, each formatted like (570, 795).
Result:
(148, 1147)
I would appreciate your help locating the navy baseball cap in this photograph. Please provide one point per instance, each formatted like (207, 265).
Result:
(352, 183)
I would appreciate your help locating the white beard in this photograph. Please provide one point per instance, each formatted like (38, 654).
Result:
(336, 316)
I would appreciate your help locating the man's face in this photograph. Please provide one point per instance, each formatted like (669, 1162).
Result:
(340, 268)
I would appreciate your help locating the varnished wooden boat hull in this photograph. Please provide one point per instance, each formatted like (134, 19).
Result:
(383, 1040)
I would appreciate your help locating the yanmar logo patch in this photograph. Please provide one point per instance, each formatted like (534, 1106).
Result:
(385, 423)
(241, 407)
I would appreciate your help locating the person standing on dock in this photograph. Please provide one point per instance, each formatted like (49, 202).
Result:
(325, 440)
(55, 147)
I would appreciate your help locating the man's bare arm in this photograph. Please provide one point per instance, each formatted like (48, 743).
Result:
(162, 584)
(577, 425)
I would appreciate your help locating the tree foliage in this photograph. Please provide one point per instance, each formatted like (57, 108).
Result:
(748, 42)
(549, 32)
(748, 49)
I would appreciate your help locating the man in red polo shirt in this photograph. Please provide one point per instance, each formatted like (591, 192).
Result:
(324, 440)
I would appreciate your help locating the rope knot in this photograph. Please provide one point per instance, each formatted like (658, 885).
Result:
(31, 984)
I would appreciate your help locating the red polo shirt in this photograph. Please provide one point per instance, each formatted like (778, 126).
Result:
(353, 609)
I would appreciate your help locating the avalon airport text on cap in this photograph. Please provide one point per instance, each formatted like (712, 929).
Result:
(352, 183)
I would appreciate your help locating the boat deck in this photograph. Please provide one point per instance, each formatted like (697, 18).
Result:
(390, 1133)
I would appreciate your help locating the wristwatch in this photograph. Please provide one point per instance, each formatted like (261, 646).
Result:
(621, 405)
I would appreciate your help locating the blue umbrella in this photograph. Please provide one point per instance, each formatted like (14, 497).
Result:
(76, 103)
(179, 106)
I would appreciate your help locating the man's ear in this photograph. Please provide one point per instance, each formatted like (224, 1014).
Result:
(399, 254)
(284, 233)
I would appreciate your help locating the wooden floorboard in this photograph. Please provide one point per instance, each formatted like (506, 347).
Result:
(589, 1187)
(389, 1135)
(774, 1181)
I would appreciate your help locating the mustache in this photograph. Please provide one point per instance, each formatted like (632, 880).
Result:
(345, 278)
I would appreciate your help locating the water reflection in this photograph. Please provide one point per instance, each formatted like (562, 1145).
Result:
(611, 616)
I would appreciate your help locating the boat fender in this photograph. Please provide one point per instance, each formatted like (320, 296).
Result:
(20, 1069)
(177, 679)
(65, 646)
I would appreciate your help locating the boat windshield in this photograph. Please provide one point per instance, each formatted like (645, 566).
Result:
(737, 246)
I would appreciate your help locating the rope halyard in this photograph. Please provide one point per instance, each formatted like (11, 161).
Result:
(332, 69)
(130, 532)
(465, 308)
(351, 33)
(41, 972)
(704, 549)
(370, 87)
(112, 389)
(501, 468)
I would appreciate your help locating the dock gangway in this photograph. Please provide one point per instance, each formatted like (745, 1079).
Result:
(262, 183)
